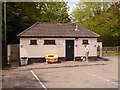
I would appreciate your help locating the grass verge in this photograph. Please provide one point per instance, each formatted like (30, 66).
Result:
(109, 53)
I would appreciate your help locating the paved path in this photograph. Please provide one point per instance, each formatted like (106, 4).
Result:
(44, 65)
(94, 76)
(99, 74)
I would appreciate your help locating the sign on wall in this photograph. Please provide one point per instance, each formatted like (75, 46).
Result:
(92, 41)
(60, 42)
(40, 40)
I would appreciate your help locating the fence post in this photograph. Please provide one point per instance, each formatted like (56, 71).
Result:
(106, 50)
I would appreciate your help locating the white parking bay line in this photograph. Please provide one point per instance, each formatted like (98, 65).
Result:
(39, 80)
(100, 78)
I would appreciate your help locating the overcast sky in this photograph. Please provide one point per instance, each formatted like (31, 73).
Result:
(71, 3)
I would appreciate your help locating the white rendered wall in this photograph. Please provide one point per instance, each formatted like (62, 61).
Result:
(80, 49)
(40, 50)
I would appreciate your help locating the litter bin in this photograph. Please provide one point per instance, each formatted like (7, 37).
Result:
(50, 58)
(23, 61)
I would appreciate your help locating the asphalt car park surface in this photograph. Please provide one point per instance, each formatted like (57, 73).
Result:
(22, 79)
(94, 76)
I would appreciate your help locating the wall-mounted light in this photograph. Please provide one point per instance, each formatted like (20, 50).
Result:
(21, 46)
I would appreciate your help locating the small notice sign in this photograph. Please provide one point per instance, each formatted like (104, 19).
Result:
(60, 42)
(40, 40)
(92, 41)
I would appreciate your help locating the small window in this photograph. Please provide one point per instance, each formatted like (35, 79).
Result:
(33, 42)
(49, 42)
(85, 42)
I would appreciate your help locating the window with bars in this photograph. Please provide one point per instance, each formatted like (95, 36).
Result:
(49, 42)
(33, 42)
(85, 42)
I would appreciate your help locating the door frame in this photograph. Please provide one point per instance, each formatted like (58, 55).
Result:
(73, 49)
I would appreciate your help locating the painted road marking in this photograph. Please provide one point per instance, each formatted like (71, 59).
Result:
(39, 80)
(101, 78)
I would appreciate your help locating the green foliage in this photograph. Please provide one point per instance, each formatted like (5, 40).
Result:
(54, 12)
(109, 53)
(102, 18)
(21, 15)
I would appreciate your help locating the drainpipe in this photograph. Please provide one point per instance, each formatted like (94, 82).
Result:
(5, 44)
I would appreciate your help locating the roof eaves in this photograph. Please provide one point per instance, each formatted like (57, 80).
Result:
(58, 36)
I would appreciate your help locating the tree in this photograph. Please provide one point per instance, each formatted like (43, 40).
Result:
(55, 12)
(21, 15)
(102, 18)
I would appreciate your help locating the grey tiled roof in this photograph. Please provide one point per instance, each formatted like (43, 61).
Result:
(56, 30)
